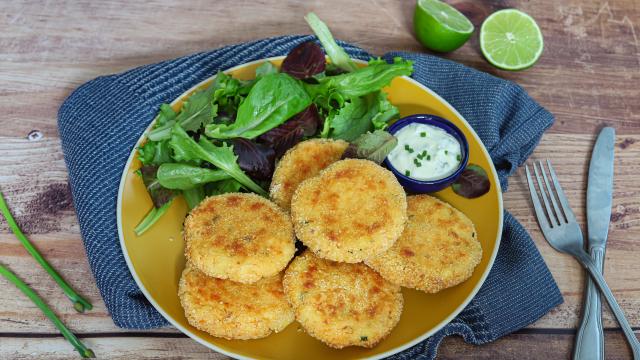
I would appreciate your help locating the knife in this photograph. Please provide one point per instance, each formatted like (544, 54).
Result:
(589, 343)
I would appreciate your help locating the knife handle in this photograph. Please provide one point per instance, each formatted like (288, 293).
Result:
(590, 337)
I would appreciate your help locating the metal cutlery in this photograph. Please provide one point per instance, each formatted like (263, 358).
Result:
(563, 233)
(589, 342)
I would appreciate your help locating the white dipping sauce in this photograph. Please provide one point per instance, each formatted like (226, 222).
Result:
(425, 152)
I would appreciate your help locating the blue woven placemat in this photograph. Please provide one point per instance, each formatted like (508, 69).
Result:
(101, 121)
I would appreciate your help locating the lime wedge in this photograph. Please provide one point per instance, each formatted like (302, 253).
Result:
(439, 26)
(511, 40)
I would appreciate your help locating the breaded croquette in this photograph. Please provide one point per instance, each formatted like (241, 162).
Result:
(232, 310)
(438, 248)
(301, 162)
(240, 237)
(342, 304)
(353, 210)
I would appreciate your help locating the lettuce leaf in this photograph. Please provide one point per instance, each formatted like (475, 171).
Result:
(336, 53)
(159, 194)
(272, 100)
(362, 81)
(223, 187)
(265, 68)
(186, 177)
(360, 115)
(374, 146)
(194, 196)
(186, 149)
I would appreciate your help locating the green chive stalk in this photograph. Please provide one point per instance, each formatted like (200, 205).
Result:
(84, 351)
(79, 303)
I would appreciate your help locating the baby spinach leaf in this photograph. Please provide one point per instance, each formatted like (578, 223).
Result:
(186, 149)
(265, 69)
(272, 100)
(362, 81)
(185, 176)
(374, 146)
(336, 53)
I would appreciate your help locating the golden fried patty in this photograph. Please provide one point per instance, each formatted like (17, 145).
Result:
(240, 237)
(301, 162)
(438, 248)
(341, 304)
(353, 210)
(232, 310)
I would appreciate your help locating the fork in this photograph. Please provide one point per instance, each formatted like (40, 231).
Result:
(560, 228)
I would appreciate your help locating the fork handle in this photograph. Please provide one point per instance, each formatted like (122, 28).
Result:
(591, 267)
(589, 343)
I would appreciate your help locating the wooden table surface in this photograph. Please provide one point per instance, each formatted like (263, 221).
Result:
(588, 76)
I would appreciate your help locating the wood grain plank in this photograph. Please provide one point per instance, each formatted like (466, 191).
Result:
(517, 346)
(586, 77)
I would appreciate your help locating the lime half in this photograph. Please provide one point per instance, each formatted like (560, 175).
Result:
(439, 26)
(511, 40)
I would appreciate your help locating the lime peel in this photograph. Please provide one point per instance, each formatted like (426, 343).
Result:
(439, 26)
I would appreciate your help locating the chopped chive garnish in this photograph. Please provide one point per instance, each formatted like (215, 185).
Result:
(458, 157)
(446, 152)
(408, 148)
(428, 157)
(418, 163)
(423, 134)
(407, 173)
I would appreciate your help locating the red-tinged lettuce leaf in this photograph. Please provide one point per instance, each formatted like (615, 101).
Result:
(374, 146)
(472, 183)
(256, 160)
(304, 61)
(283, 138)
(159, 194)
(287, 135)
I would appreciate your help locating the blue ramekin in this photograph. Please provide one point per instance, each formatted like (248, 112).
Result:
(420, 186)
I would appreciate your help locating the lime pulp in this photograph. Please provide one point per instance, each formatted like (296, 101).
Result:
(511, 40)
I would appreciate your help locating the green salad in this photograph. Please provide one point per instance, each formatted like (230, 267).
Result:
(228, 136)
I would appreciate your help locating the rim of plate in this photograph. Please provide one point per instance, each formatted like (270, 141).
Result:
(393, 351)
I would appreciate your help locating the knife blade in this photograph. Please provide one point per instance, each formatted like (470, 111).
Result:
(590, 337)
(600, 188)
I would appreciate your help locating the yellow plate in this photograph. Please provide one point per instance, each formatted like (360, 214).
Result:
(156, 258)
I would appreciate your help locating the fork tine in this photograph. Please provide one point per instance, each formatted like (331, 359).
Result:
(552, 218)
(568, 213)
(542, 218)
(556, 209)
